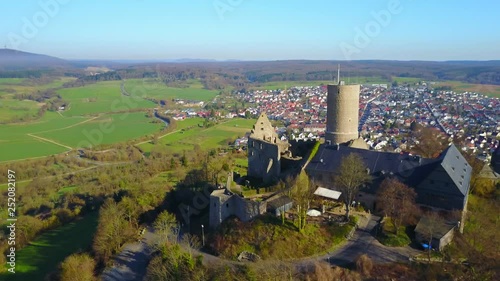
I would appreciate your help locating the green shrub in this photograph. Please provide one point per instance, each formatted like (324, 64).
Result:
(393, 240)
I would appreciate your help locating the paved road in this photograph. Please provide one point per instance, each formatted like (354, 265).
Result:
(131, 263)
(364, 242)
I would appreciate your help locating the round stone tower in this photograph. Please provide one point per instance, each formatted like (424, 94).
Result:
(342, 113)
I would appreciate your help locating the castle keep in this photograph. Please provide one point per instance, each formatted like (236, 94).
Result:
(342, 113)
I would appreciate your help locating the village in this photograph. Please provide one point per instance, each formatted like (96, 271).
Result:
(386, 114)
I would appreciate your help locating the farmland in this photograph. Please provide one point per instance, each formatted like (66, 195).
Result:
(97, 114)
(189, 134)
(100, 98)
(106, 129)
(152, 88)
(457, 86)
(14, 109)
(15, 143)
(348, 79)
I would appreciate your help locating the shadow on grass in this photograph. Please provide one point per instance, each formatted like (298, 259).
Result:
(269, 219)
(42, 256)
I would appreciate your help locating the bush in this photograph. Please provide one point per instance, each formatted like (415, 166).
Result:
(78, 267)
(364, 265)
(393, 240)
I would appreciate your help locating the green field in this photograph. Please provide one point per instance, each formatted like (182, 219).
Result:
(14, 109)
(107, 129)
(407, 79)
(154, 89)
(207, 138)
(25, 85)
(100, 98)
(87, 121)
(44, 254)
(460, 87)
(11, 81)
(349, 80)
(15, 143)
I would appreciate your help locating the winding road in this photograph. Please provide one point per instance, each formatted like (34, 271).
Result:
(131, 263)
(364, 242)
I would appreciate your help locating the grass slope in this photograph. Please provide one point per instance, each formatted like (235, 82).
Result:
(44, 254)
(270, 239)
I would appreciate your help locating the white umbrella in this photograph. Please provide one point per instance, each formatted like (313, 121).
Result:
(313, 213)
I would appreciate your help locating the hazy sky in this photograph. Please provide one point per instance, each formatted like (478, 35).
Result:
(254, 29)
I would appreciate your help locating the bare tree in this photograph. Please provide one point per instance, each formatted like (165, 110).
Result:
(431, 224)
(302, 193)
(191, 243)
(397, 201)
(429, 141)
(351, 176)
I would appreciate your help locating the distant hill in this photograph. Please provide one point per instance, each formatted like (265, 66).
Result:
(18, 60)
(239, 73)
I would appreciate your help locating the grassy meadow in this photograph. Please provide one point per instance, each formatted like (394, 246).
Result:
(152, 88)
(16, 143)
(97, 114)
(11, 108)
(184, 138)
(106, 129)
(98, 98)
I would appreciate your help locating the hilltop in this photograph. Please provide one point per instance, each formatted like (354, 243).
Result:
(19, 60)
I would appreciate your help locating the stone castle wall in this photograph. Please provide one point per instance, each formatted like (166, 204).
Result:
(224, 206)
(263, 160)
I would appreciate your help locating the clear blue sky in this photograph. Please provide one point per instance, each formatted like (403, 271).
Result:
(254, 29)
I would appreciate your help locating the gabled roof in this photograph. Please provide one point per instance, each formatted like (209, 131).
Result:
(457, 168)
(442, 229)
(263, 127)
(328, 193)
(412, 170)
(279, 202)
(329, 157)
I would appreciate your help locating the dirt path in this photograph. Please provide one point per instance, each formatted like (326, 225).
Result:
(51, 141)
(70, 126)
(173, 132)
